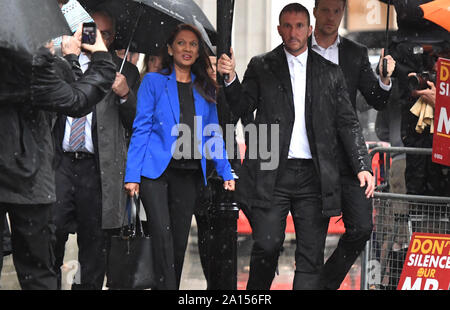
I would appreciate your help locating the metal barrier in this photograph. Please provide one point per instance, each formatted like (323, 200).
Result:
(395, 218)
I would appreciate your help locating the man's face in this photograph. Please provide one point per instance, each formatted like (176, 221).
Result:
(105, 26)
(294, 31)
(212, 71)
(328, 16)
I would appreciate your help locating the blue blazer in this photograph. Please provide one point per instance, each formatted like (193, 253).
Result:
(155, 130)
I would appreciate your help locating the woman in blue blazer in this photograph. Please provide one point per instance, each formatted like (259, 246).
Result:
(175, 130)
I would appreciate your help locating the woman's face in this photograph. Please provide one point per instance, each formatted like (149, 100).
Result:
(154, 63)
(184, 49)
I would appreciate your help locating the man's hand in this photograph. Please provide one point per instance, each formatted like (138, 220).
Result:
(72, 44)
(428, 95)
(132, 189)
(366, 178)
(120, 86)
(227, 65)
(390, 68)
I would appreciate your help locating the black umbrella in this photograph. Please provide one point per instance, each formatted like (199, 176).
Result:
(143, 26)
(184, 11)
(26, 25)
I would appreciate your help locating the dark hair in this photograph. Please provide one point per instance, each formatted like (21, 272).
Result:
(316, 4)
(206, 86)
(63, 2)
(297, 8)
(104, 11)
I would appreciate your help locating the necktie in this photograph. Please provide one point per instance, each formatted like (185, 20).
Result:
(77, 134)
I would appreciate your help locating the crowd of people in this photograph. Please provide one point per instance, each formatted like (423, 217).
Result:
(89, 135)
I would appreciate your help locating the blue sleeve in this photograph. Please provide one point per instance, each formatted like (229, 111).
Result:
(142, 127)
(215, 138)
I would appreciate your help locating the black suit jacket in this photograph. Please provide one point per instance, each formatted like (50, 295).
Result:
(267, 88)
(354, 63)
(358, 73)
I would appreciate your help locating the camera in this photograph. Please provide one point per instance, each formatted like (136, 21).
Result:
(419, 81)
(89, 34)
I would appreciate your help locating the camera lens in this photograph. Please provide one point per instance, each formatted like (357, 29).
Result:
(413, 82)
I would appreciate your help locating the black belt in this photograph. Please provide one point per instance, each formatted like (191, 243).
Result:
(79, 155)
(299, 161)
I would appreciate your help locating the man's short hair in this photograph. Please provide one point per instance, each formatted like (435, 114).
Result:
(316, 4)
(63, 2)
(295, 8)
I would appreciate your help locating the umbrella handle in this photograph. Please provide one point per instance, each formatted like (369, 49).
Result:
(385, 64)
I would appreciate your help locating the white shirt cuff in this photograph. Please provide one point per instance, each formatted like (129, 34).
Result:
(228, 84)
(384, 86)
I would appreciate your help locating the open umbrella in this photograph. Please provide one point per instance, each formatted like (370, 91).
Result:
(143, 26)
(26, 25)
(438, 12)
(184, 11)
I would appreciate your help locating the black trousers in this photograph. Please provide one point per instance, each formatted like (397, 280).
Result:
(297, 190)
(357, 217)
(169, 203)
(79, 209)
(31, 238)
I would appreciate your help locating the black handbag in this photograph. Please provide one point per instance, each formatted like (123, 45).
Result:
(130, 260)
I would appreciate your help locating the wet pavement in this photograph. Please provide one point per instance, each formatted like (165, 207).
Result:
(192, 277)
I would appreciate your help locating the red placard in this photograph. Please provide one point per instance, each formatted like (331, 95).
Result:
(441, 137)
(427, 263)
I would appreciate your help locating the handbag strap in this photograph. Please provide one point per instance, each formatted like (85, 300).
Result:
(138, 226)
(131, 213)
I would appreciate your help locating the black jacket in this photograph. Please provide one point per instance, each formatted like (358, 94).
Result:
(267, 88)
(358, 73)
(25, 126)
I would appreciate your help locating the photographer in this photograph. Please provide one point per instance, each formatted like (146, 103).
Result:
(416, 72)
(416, 46)
(29, 91)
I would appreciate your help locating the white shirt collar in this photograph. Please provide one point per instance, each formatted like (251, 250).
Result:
(315, 44)
(302, 58)
(84, 61)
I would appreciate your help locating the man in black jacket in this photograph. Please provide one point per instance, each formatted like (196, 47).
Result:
(301, 97)
(353, 59)
(90, 178)
(27, 185)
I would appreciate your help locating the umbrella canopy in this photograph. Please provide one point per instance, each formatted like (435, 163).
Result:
(148, 23)
(438, 12)
(26, 25)
(185, 11)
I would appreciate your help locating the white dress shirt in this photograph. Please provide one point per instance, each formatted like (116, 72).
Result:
(88, 145)
(332, 54)
(299, 146)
